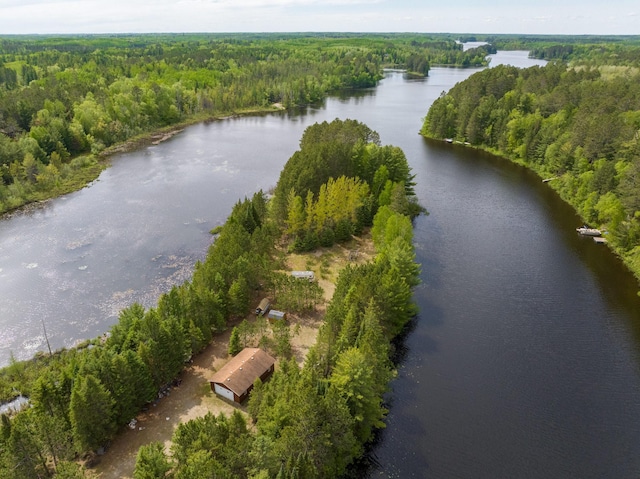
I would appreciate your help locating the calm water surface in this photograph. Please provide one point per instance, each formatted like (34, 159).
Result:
(523, 361)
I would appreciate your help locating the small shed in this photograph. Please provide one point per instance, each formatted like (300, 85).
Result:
(308, 275)
(275, 315)
(263, 307)
(234, 381)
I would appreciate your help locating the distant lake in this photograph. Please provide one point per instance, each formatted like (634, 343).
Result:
(470, 45)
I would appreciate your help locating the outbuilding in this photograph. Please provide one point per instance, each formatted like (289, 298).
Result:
(275, 316)
(308, 275)
(235, 379)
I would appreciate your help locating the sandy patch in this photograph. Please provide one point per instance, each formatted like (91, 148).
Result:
(193, 398)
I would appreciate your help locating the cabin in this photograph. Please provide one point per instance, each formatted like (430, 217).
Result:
(308, 275)
(276, 316)
(234, 381)
(263, 307)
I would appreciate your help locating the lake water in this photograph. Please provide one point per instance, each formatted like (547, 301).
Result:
(523, 361)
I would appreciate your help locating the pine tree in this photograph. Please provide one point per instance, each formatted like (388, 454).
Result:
(151, 462)
(348, 331)
(295, 214)
(91, 413)
(132, 386)
(234, 342)
(238, 296)
(24, 453)
(282, 336)
(353, 379)
(69, 470)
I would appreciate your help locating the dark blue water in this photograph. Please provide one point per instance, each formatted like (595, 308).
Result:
(523, 361)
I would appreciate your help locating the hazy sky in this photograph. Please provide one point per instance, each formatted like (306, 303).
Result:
(461, 16)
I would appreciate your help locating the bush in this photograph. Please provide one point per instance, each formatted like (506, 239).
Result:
(327, 237)
(343, 231)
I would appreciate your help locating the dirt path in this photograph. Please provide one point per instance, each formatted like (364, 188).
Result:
(192, 399)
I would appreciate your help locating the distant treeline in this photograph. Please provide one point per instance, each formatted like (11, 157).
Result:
(579, 125)
(64, 99)
(312, 422)
(593, 50)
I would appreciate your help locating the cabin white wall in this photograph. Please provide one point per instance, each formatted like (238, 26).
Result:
(224, 392)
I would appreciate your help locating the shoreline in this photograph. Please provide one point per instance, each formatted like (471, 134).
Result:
(540, 174)
(159, 135)
(101, 161)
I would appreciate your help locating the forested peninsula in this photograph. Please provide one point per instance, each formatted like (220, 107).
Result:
(312, 421)
(576, 124)
(66, 102)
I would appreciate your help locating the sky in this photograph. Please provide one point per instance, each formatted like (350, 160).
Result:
(570, 17)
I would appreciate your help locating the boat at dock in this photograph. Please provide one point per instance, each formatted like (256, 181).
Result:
(586, 231)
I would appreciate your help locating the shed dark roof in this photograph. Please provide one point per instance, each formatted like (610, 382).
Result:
(241, 371)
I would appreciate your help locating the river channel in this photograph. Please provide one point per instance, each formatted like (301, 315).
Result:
(523, 361)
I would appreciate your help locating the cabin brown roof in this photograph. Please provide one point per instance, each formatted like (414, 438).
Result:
(239, 374)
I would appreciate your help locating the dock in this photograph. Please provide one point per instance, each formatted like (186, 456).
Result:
(599, 240)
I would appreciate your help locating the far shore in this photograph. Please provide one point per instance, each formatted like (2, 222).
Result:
(159, 135)
(85, 176)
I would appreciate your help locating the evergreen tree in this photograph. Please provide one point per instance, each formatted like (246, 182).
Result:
(296, 214)
(23, 452)
(234, 342)
(239, 296)
(132, 386)
(151, 462)
(51, 394)
(165, 347)
(282, 337)
(55, 436)
(91, 413)
(353, 379)
(69, 470)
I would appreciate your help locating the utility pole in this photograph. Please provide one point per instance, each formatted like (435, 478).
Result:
(45, 335)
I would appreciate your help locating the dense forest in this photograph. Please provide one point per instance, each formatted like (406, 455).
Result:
(64, 100)
(576, 125)
(310, 422)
